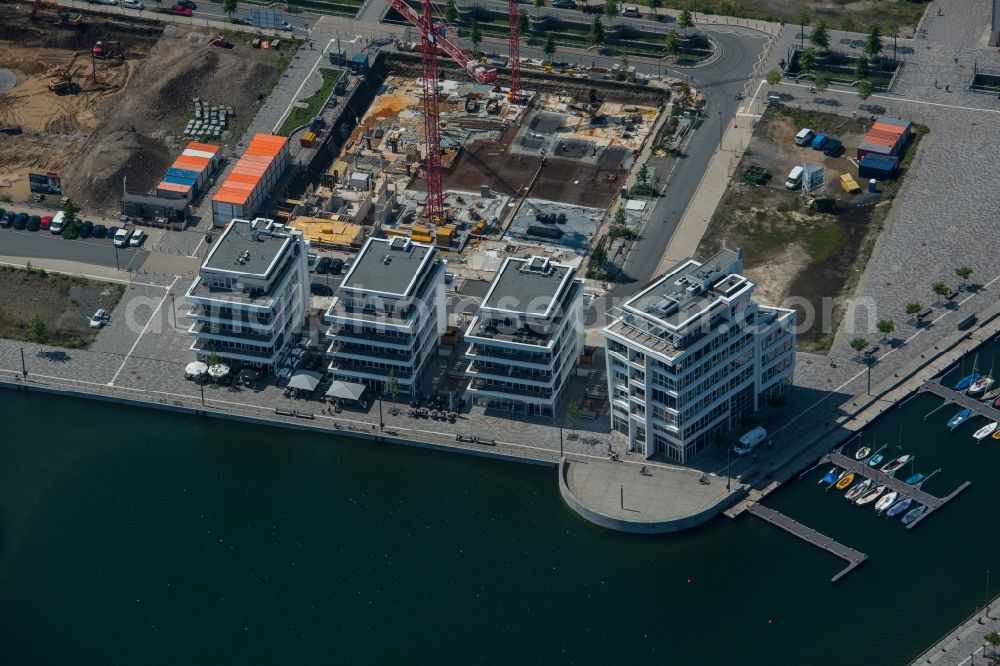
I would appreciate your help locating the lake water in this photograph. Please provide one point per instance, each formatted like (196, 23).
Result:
(146, 537)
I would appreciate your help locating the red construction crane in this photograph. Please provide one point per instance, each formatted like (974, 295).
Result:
(432, 39)
(515, 51)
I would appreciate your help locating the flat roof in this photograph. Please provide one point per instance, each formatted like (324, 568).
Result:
(389, 267)
(246, 248)
(527, 286)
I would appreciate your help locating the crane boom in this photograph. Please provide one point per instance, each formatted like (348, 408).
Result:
(464, 60)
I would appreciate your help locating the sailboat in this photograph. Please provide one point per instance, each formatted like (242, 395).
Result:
(899, 507)
(876, 459)
(967, 381)
(982, 384)
(891, 468)
(857, 490)
(996, 434)
(845, 481)
(886, 501)
(870, 496)
(986, 431)
(919, 476)
(913, 514)
(862, 453)
(830, 477)
(959, 418)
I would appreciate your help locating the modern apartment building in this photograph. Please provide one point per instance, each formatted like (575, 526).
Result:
(251, 297)
(387, 314)
(691, 354)
(526, 337)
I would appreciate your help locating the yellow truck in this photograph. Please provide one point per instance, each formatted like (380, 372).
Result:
(849, 184)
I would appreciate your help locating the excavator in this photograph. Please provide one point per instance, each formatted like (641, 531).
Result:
(105, 49)
(62, 83)
(64, 19)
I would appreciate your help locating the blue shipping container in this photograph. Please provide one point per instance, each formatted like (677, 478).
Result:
(879, 167)
(176, 180)
(182, 173)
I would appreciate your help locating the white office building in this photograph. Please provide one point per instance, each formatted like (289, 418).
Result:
(691, 354)
(526, 337)
(387, 314)
(251, 297)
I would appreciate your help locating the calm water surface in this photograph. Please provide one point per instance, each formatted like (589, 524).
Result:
(131, 536)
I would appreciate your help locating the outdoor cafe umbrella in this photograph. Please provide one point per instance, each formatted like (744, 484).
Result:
(345, 390)
(218, 370)
(304, 381)
(195, 369)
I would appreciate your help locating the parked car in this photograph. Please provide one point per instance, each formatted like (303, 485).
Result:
(794, 180)
(246, 20)
(134, 4)
(311, 261)
(58, 223)
(336, 266)
(323, 265)
(86, 229)
(45, 222)
(121, 237)
(820, 141)
(833, 148)
(804, 137)
(750, 440)
(99, 318)
(285, 25)
(320, 289)
(180, 10)
(110, 233)
(34, 223)
(20, 220)
(564, 4)
(7, 220)
(138, 236)
(99, 231)
(187, 3)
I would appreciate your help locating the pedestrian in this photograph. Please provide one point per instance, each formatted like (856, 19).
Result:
(947, 88)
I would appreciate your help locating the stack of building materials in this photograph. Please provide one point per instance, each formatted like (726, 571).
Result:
(187, 176)
(210, 120)
(886, 137)
(253, 178)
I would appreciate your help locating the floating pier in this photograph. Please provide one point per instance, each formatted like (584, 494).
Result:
(970, 403)
(853, 557)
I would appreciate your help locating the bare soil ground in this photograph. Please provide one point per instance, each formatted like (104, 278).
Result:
(63, 303)
(800, 257)
(565, 180)
(132, 130)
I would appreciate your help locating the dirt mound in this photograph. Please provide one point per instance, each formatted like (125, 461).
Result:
(96, 179)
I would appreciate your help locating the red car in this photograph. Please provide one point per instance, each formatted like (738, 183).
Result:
(46, 222)
(180, 10)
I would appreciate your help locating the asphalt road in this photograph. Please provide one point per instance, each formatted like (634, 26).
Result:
(42, 244)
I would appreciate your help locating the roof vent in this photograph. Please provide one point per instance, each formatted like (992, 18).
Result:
(540, 265)
(399, 243)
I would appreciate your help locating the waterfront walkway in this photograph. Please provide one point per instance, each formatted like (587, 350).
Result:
(966, 644)
(853, 557)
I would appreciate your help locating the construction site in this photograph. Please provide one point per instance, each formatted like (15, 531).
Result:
(96, 99)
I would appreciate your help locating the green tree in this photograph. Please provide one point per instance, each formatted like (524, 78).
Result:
(963, 272)
(71, 220)
(37, 330)
(621, 217)
(864, 89)
(572, 415)
(885, 327)
(847, 24)
(993, 638)
(862, 68)
(684, 21)
(643, 174)
(539, 3)
(229, 6)
(820, 36)
(597, 31)
(873, 44)
(821, 82)
(611, 8)
(807, 60)
(213, 359)
(803, 20)
(475, 34)
(859, 345)
(913, 309)
(940, 289)
(393, 385)
(450, 11)
(550, 43)
(892, 30)
(672, 43)
(523, 22)
(774, 76)
(654, 5)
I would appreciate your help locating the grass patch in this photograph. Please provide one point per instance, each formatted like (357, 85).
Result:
(299, 116)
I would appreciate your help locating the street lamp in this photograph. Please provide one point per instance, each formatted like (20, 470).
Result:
(728, 475)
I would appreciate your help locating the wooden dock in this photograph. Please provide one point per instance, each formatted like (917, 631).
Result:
(904, 489)
(853, 557)
(976, 406)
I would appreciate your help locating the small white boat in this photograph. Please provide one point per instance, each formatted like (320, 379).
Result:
(863, 453)
(981, 385)
(870, 496)
(985, 431)
(885, 501)
(856, 491)
(893, 466)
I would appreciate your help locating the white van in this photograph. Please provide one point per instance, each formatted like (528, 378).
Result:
(630, 10)
(749, 441)
(794, 180)
(804, 137)
(58, 222)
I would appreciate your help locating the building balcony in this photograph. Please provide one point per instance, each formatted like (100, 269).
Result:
(483, 386)
(348, 350)
(500, 355)
(478, 368)
(526, 336)
(347, 366)
(405, 319)
(216, 333)
(216, 314)
(208, 347)
(342, 333)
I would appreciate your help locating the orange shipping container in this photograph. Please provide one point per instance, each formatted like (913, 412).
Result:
(207, 147)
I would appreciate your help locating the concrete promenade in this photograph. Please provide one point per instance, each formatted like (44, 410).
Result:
(966, 643)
